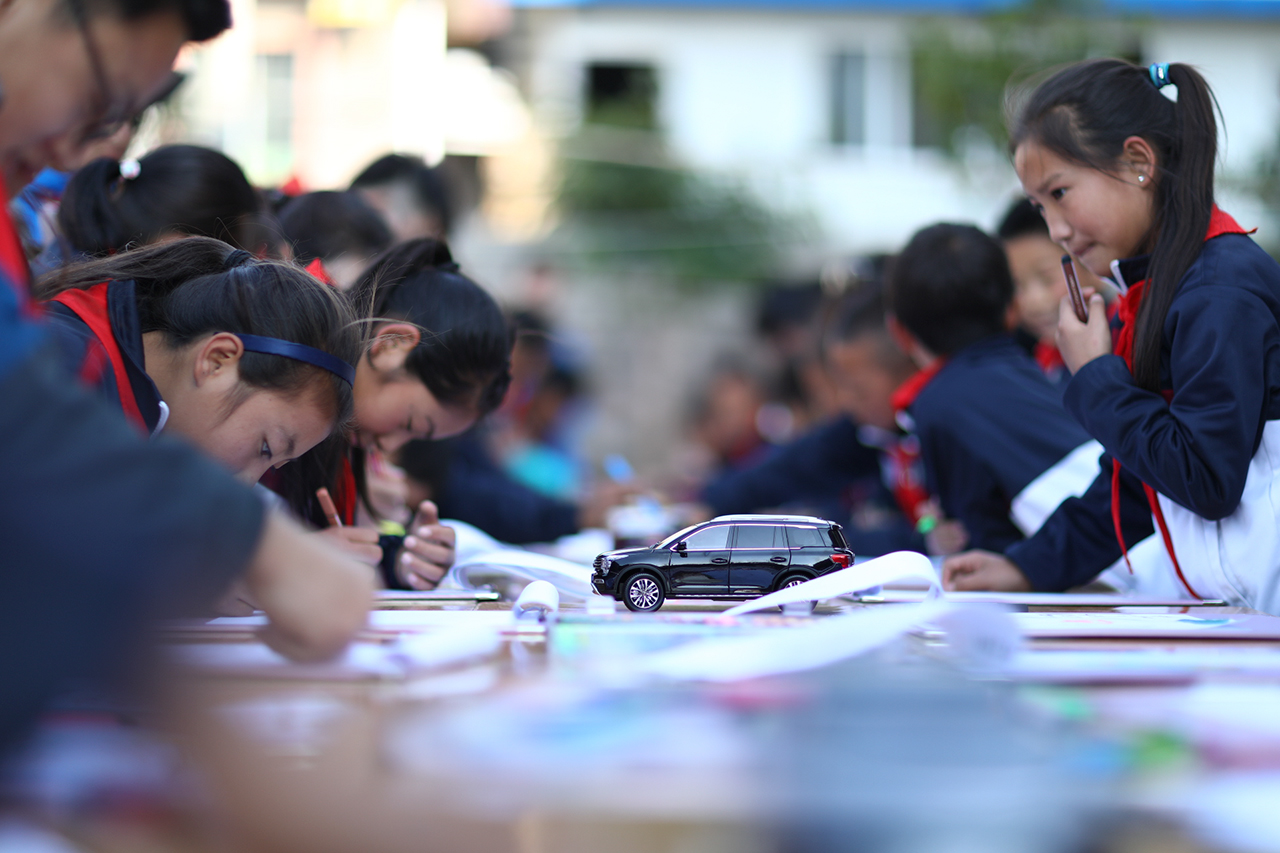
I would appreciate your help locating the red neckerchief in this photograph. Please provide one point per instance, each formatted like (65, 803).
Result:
(1127, 311)
(909, 390)
(1048, 357)
(13, 261)
(316, 268)
(90, 305)
(910, 494)
(344, 492)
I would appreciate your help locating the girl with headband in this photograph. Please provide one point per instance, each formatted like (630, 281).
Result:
(250, 360)
(1182, 389)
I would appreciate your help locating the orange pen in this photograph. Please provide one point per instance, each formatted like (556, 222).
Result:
(328, 507)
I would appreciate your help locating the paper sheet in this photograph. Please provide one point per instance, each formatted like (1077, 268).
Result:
(900, 565)
(1038, 599)
(780, 651)
(1149, 625)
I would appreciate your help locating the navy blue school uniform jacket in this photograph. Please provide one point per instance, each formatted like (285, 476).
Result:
(1193, 444)
(99, 331)
(822, 468)
(101, 530)
(1000, 452)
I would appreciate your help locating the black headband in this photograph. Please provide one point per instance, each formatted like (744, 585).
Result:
(300, 352)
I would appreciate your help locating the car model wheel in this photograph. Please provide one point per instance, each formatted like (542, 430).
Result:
(643, 593)
(795, 580)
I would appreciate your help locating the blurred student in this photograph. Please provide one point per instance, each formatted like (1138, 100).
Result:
(35, 210)
(174, 191)
(858, 466)
(1000, 452)
(251, 361)
(1035, 261)
(1186, 400)
(156, 529)
(340, 229)
(438, 360)
(412, 197)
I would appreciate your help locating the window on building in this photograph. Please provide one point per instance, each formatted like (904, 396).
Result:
(849, 99)
(621, 94)
(274, 72)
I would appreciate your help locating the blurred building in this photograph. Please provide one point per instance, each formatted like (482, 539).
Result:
(813, 102)
(316, 89)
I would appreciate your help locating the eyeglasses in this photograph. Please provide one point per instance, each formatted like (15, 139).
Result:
(103, 125)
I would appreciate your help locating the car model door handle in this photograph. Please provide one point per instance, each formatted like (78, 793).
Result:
(778, 559)
(719, 559)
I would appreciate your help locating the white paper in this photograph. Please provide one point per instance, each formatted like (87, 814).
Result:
(900, 565)
(538, 601)
(1039, 599)
(784, 650)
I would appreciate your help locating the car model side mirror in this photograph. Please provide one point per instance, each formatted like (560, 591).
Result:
(681, 546)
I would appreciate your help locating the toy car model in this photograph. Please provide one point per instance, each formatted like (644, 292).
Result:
(733, 556)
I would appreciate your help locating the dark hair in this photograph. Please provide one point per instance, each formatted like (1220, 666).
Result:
(204, 19)
(193, 287)
(179, 188)
(1022, 220)
(464, 357)
(950, 287)
(430, 190)
(1084, 113)
(328, 224)
(859, 315)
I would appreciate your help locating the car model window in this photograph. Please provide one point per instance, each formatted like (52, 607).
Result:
(709, 539)
(806, 537)
(759, 536)
(837, 538)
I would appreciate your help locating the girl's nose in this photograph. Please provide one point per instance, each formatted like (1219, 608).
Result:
(1060, 230)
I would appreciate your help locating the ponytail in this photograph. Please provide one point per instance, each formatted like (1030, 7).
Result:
(176, 189)
(1085, 112)
(464, 357)
(197, 286)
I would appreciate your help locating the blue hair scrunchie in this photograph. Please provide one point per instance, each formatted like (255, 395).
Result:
(1159, 72)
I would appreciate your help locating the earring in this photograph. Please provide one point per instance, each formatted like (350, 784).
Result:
(1142, 179)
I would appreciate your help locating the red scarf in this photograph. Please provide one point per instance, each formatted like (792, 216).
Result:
(1048, 357)
(1127, 311)
(13, 261)
(90, 305)
(909, 493)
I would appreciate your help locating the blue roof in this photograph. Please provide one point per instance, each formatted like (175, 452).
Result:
(1221, 9)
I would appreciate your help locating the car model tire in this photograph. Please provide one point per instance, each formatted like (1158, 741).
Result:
(796, 580)
(643, 593)
(793, 580)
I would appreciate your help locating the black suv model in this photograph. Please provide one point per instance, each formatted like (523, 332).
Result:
(733, 556)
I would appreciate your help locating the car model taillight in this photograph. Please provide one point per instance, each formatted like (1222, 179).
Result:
(844, 561)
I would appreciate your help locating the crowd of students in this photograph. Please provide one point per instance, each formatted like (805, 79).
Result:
(184, 330)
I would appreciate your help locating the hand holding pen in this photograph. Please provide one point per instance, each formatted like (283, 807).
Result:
(359, 542)
(1083, 333)
(428, 549)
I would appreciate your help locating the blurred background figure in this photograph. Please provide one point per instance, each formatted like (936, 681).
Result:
(340, 229)
(412, 198)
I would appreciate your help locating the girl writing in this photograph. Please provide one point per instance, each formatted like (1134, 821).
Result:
(250, 360)
(438, 361)
(1186, 399)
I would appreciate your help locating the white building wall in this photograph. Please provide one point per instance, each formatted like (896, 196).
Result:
(748, 94)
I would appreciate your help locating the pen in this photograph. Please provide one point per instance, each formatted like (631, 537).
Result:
(1073, 288)
(328, 508)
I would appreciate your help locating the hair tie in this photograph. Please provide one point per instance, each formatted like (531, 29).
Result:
(130, 169)
(300, 352)
(1159, 72)
(237, 258)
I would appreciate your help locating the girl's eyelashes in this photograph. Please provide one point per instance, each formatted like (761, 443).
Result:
(1057, 194)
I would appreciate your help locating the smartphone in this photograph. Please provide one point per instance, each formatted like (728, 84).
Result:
(1073, 288)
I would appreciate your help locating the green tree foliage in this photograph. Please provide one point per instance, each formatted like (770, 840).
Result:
(962, 70)
(627, 204)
